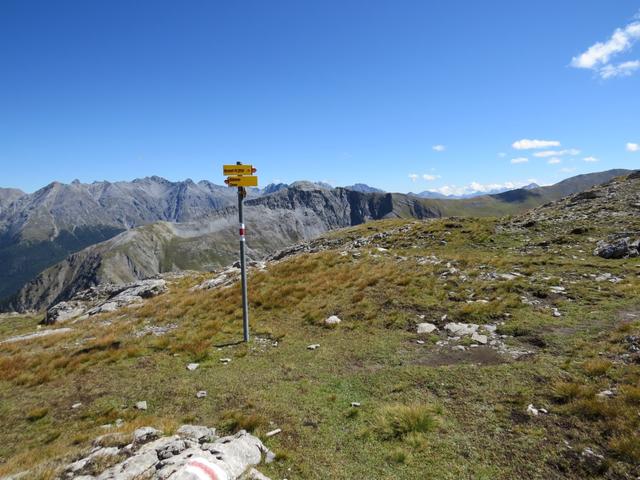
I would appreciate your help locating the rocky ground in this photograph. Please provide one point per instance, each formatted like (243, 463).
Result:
(147, 454)
(453, 348)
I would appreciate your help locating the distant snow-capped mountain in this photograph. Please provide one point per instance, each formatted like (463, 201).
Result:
(477, 193)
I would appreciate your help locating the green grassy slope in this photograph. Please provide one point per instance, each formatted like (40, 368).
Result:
(427, 411)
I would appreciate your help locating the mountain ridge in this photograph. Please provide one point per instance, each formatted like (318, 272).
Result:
(47, 233)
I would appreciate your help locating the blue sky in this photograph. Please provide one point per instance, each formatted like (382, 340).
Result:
(340, 91)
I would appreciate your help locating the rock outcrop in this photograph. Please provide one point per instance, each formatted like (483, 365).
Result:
(151, 456)
(620, 248)
(104, 298)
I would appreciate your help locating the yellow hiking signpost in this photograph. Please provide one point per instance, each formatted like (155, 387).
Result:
(238, 170)
(243, 181)
(241, 176)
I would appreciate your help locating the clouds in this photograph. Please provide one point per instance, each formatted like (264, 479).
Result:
(557, 153)
(439, 148)
(554, 157)
(622, 70)
(598, 56)
(475, 187)
(427, 177)
(526, 144)
(633, 147)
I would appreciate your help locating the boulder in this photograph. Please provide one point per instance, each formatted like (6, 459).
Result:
(620, 248)
(63, 311)
(426, 327)
(185, 456)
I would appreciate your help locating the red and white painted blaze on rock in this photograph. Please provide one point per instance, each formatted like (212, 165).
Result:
(202, 469)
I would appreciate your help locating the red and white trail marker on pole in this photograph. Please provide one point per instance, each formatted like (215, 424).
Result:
(241, 176)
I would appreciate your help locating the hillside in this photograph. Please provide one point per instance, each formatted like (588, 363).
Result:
(39, 229)
(300, 212)
(526, 364)
(278, 218)
(8, 196)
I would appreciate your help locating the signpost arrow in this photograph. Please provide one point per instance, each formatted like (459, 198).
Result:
(238, 169)
(242, 181)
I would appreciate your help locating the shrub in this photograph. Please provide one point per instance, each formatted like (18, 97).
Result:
(398, 420)
(37, 413)
(597, 367)
(235, 421)
(626, 448)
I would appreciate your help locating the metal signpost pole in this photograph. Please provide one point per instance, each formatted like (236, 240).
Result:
(243, 267)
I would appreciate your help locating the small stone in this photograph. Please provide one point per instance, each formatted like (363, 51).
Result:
(76, 405)
(460, 348)
(225, 360)
(556, 313)
(606, 394)
(533, 411)
(476, 337)
(426, 327)
(141, 405)
(461, 328)
(332, 320)
(119, 422)
(313, 346)
(355, 404)
(201, 394)
(273, 432)
(193, 366)
(420, 342)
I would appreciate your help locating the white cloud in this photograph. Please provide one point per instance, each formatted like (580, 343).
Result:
(439, 148)
(591, 159)
(557, 153)
(414, 176)
(519, 160)
(633, 147)
(526, 144)
(475, 187)
(430, 178)
(621, 70)
(554, 161)
(598, 56)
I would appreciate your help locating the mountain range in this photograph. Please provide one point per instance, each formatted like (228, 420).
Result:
(67, 237)
(474, 193)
